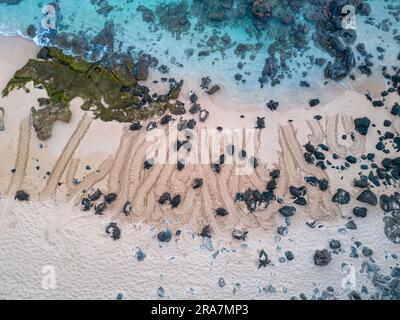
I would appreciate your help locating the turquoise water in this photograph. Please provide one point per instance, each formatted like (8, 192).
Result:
(85, 19)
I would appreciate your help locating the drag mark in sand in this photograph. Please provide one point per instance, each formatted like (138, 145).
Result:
(359, 141)
(65, 157)
(72, 169)
(331, 136)
(318, 135)
(22, 157)
(93, 178)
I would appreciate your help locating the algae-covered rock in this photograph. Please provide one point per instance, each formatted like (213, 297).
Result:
(44, 118)
(109, 90)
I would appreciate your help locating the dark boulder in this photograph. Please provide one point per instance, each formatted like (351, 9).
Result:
(22, 195)
(362, 125)
(360, 212)
(341, 197)
(111, 197)
(322, 257)
(287, 211)
(367, 196)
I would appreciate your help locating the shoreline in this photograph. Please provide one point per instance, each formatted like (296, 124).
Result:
(59, 230)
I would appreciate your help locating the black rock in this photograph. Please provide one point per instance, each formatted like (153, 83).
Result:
(297, 192)
(311, 180)
(111, 197)
(22, 195)
(389, 203)
(181, 165)
(165, 197)
(314, 102)
(136, 126)
(341, 197)
(166, 119)
(395, 110)
(287, 211)
(95, 195)
(206, 232)
(176, 201)
(148, 164)
(351, 225)
(362, 125)
(360, 212)
(322, 257)
(86, 204)
(164, 236)
(367, 196)
(273, 105)
(301, 201)
(197, 183)
(274, 174)
(351, 159)
(323, 184)
(221, 212)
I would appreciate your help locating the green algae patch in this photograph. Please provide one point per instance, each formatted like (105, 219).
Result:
(107, 92)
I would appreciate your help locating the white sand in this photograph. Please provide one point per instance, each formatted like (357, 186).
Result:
(90, 265)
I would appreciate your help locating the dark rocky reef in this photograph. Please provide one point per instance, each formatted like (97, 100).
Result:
(111, 91)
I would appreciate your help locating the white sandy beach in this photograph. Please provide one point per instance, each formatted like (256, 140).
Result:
(51, 230)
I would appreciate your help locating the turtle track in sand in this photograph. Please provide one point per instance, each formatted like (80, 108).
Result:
(331, 129)
(72, 169)
(21, 161)
(358, 147)
(319, 203)
(91, 179)
(143, 188)
(318, 135)
(65, 157)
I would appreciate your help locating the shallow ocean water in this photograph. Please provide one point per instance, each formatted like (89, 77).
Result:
(82, 18)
